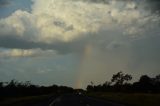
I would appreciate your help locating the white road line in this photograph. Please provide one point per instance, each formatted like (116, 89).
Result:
(87, 105)
(56, 100)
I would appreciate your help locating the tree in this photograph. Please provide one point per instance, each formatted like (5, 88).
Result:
(107, 83)
(1, 84)
(120, 78)
(157, 83)
(145, 84)
(158, 78)
(90, 88)
(145, 80)
(12, 84)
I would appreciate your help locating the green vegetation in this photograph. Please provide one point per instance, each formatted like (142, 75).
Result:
(131, 99)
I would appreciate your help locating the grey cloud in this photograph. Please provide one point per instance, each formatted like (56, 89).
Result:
(153, 5)
(62, 47)
(42, 70)
(145, 56)
(98, 1)
(4, 3)
(63, 25)
(103, 1)
(76, 45)
(147, 49)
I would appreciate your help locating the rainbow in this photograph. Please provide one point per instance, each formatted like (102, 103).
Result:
(81, 69)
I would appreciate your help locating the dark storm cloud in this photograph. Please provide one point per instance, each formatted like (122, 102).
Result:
(4, 3)
(153, 5)
(75, 46)
(61, 47)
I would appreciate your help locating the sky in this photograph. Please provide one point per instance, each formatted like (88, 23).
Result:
(74, 42)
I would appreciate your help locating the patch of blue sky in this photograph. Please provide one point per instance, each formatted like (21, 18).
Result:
(14, 5)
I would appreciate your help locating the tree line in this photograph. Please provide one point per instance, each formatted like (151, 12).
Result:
(18, 89)
(120, 82)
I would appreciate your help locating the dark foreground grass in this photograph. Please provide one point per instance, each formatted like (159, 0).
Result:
(130, 99)
(24, 101)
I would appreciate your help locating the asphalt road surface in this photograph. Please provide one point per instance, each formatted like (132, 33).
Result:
(79, 100)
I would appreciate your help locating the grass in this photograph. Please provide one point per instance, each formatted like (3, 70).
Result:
(131, 99)
(23, 101)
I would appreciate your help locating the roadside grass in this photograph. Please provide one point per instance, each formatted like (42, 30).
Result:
(23, 101)
(130, 99)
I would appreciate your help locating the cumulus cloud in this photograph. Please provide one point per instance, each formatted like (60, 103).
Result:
(58, 20)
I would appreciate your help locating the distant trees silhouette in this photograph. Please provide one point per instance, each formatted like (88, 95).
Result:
(18, 89)
(120, 78)
(147, 84)
(120, 83)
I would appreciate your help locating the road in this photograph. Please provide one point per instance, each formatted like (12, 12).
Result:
(79, 100)
(65, 100)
